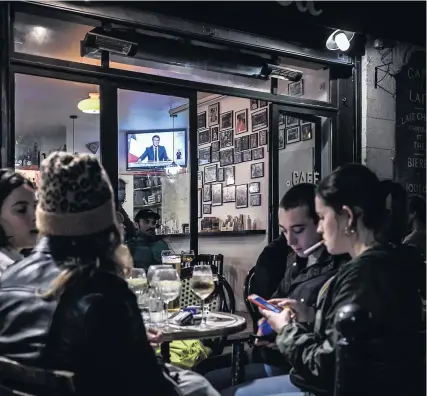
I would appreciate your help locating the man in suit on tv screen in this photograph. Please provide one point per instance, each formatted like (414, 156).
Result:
(155, 153)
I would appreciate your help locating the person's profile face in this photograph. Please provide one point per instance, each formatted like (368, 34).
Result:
(156, 141)
(299, 229)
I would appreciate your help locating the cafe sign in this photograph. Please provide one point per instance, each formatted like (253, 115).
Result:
(410, 136)
(303, 6)
(303, 177)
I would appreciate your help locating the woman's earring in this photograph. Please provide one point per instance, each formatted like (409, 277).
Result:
(348, 231)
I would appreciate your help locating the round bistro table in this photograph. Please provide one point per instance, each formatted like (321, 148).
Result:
(218, 325)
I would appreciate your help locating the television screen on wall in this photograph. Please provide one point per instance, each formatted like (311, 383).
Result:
(156, 149)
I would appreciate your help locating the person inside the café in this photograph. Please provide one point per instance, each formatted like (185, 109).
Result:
(128, 224)
(17, 217)
(417, 223)
(146, 247)
(303, 278)
(381, 278)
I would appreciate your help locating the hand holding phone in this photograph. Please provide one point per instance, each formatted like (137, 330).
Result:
(263, 304)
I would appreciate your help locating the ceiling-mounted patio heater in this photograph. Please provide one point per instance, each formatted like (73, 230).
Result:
(280, 72)
(100, 39)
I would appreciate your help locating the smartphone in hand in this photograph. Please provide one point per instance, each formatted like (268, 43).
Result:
(263, 304)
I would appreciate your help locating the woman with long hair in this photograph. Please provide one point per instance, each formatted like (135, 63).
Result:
(67, 306)
(363, 217)
(17, 217)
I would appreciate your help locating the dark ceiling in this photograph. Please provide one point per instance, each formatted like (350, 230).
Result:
(405, 21)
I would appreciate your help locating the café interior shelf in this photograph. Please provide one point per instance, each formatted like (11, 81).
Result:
(220, 234)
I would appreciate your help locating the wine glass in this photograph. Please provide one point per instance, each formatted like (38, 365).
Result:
(202, 285)
(169, 284)
(187, 257)
(137, 282)
(152, 269)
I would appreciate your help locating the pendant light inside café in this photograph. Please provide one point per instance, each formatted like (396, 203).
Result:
(90, 105)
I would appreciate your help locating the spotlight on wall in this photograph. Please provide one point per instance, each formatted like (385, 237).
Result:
(339, 40)
(283, 73)
(115, 43)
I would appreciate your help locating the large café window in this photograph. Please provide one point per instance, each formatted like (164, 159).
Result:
(154, 162)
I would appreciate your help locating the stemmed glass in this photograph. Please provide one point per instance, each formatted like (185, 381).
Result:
(137, 282)
(152, 269)
(169, 285)
(202, 285)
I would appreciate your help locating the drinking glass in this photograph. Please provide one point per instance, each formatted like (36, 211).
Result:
(152, 269)
(202, 285)
(168, 283)
(137, 282)
(187, 257)
(169, 257)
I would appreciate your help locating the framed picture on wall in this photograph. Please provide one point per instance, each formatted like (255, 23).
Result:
(204, 137)
(229, 175)
(207, 209)
(201, 120)
(214, 133)
(281, 139)
(226, 138)
(205, 155)
(253, 140)
(199, 180)
(215, 146)
(254, 187)
(213, 112)
(296, 88)
(215, 156)
(226, 120)
(281, 118)
(262, 103)
(210, 173)
(246, 156)
(238, 144)
(245, 143)
(207, 193)
(237, 157)
(226, 157)
(258, 153)
(293, 135)
(291, 121)
(254, 104)
(257, 170)
(255, 200)
(259, 119)
(229, 194)
(241, 121)
(217, 194)
(263, 137)
(242, 196)
(220, 174)
(199, 203)
(306, 131)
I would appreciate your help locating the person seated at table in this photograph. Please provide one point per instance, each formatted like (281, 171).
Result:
(67, 305)
(417, 223)
(304, 277)
(381, 279)
(146, 248)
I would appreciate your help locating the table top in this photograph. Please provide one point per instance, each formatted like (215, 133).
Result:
(218, 324)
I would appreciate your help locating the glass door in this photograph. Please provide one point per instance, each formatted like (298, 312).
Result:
(301, 152)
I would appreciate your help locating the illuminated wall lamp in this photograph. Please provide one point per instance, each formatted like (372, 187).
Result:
(339, 40)
(90, 105)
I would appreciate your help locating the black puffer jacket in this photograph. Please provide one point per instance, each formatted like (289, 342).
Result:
(385, 282)
(94, 330)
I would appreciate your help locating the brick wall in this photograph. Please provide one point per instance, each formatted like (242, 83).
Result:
(379, 105)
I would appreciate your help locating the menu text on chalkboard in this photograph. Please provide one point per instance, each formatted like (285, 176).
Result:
(410, 158)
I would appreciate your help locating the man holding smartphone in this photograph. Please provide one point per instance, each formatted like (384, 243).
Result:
(303, 279)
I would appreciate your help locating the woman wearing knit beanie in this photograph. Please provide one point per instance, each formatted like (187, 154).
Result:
(67, 306)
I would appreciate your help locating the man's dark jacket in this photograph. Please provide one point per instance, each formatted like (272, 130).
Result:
(94, 329)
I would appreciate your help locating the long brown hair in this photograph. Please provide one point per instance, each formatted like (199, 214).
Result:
(82, 256)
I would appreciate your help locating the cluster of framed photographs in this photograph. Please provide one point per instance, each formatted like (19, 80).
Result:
(292, 130)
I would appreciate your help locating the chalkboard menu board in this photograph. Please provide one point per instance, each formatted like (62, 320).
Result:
(410, 159)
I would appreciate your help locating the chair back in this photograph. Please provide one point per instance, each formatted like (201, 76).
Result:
(247, 292)
(214, 260)
(18, 379)
(221, 300)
